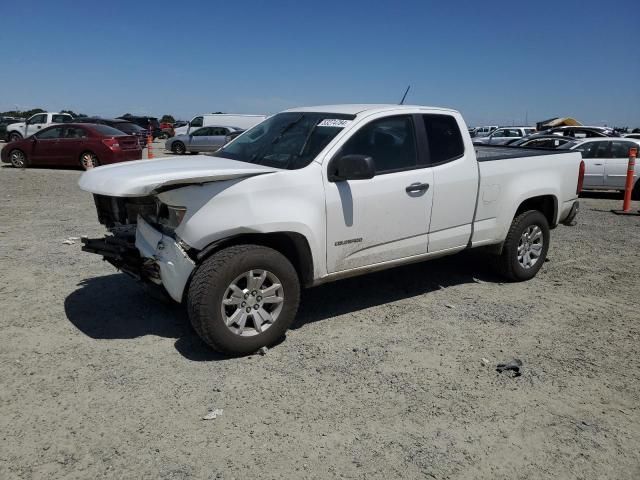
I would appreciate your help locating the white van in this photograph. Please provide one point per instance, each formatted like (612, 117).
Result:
(221, 120)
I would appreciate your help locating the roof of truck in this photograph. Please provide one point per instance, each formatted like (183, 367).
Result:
(354, 109)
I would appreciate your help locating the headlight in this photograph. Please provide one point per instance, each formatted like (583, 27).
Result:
(171, 216)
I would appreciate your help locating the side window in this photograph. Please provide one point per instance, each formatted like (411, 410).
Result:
(61, 118)
(202, 132)
(196, 122)
(49, 133)
(38, 119)
(588, 150)
(75, 132)
(621, 149)
(603, 150)
(499, 133)
(219, 131)
(444, 138)
(389, 141)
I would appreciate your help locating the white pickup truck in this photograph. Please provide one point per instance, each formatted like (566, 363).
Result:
(20, 130)
(312, 195)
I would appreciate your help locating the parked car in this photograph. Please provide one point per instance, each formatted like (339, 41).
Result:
(313, 195)
(150, 124)
(167, 130)
(206, 139)
(541, 141)
(483, 131)
(582, 132)
(504, 135)
(632, 135)
(222, 120)
(606, 162)
(123, 125)
(73, 144)
(4, 123)
(39, 121)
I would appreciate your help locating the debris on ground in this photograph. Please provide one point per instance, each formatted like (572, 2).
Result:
(213, 414)
(448, 305)
(263, 351)
(68, 242)
(73, 239)
(485, 362)
(513, 365)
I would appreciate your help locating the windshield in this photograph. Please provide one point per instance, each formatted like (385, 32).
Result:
(569, 145)
(288, 140)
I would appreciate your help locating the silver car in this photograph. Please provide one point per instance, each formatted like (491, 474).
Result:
(504, 135)
(205, 139)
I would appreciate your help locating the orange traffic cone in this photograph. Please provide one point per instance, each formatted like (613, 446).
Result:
(149, 147)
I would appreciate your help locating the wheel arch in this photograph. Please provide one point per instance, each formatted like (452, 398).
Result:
(546, 204)
(292, 245)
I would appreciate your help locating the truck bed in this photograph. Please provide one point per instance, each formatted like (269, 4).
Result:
(487, 153)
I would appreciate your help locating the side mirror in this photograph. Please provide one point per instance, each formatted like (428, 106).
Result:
(351, 167)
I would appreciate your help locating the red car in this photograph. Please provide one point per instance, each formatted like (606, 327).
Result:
(73, 144)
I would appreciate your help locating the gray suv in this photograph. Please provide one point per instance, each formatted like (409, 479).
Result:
(504, 135)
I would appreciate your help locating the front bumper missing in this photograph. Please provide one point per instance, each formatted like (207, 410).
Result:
(147, 255)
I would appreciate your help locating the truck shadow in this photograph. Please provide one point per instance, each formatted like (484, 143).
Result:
(116, 307)
(366, 291)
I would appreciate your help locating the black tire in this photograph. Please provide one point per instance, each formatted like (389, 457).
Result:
(178, 148)
(208, 287)
(15, 162)
(508, 263)
(14, 137)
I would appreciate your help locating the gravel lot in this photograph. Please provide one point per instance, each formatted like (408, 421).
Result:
(381, 377)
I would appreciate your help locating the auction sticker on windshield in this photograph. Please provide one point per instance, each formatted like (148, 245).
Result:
(334, 122)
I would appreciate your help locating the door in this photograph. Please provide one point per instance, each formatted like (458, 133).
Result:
(615, 168)
(386, 217)
(35, 123)
(46, 148)
(198, 139)
(72, 144)
(594, 155)
(195, 123)
(216, 138)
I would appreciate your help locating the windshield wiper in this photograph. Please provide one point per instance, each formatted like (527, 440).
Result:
(287, 128)
(258, 156)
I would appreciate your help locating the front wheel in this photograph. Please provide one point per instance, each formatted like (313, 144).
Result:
(18, 158)
(178, 148)
(525, 248)
(243, 298)
(14, 137)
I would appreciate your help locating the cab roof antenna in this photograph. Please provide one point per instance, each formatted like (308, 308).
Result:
(405, 94)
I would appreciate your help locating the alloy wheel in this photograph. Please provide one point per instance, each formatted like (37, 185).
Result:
(252, 302)
(89, 161)
(530, 246)
(18, 159)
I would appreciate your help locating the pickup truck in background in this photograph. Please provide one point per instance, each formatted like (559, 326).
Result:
(20, 130)
(317, 194)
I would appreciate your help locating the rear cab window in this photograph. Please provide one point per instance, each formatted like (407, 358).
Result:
(61, 118)
(443, 138)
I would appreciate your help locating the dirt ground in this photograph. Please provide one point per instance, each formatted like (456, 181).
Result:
(381, 377)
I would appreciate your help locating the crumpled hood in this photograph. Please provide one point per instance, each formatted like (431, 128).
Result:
(143, 177)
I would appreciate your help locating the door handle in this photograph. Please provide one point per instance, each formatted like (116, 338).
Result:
(417, 187)
(598, 164)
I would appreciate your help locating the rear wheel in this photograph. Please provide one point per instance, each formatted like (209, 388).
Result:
(243, 298)
(18, 158)
(89, 160)
(525, 248)
(179, 148)
(14, 137)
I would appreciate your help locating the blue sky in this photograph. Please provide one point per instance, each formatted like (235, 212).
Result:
(496, 62)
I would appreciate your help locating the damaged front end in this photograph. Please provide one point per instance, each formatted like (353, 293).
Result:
(142, 241)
